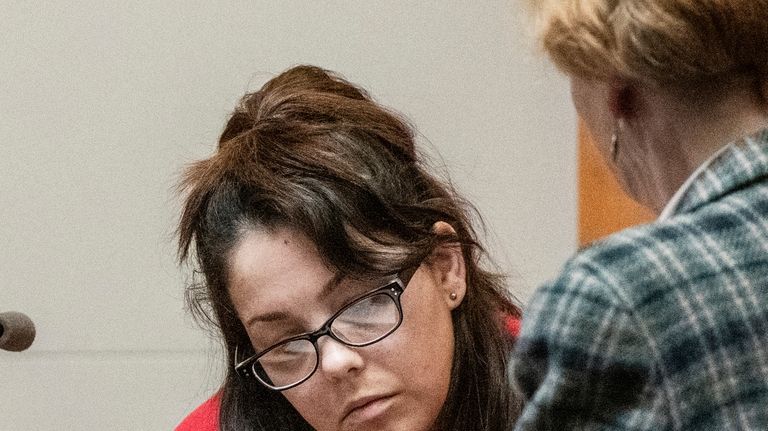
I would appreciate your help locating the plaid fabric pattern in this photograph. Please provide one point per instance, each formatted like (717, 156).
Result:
(662, 326)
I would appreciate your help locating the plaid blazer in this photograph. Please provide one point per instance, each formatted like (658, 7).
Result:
(662, 326)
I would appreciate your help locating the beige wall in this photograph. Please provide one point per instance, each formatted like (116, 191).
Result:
(102, 102)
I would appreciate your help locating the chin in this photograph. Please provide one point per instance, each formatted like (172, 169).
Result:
(384, 418)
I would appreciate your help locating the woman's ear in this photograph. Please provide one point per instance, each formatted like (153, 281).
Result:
(448, 266)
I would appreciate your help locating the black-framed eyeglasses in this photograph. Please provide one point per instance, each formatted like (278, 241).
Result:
(366, 320)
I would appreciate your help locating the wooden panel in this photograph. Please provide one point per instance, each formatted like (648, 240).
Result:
(604, 208)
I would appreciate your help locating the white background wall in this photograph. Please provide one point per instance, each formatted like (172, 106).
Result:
(101, 104)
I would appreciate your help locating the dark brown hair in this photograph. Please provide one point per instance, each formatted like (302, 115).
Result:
(312, 152)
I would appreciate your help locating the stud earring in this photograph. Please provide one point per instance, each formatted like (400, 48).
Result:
(453, 296)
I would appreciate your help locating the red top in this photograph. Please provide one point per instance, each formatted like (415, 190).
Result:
(206, 416)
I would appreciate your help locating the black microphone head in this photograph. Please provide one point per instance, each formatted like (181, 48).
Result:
(18, 331)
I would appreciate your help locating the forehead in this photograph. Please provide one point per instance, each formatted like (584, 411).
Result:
(273, 268)
(265, 251)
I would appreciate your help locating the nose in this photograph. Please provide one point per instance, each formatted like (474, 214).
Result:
(338, 360)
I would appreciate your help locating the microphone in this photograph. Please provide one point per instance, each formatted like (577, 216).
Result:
(17, 332)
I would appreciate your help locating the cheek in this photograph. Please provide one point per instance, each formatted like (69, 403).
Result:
(316, 403)
(426, 359)
(596, 122)
(599, 133)
(427, 335)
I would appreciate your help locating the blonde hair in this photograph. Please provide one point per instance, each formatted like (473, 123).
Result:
(671, 43)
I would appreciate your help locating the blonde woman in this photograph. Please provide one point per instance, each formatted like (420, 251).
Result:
(662, 326)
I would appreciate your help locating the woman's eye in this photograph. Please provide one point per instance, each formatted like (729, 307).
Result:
(288, 353)
(368, 309)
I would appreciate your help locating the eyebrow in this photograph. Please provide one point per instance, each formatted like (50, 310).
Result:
(272, 316)
(332, 284)
(276, 316)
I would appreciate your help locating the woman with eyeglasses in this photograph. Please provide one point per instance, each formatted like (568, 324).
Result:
(342, 276)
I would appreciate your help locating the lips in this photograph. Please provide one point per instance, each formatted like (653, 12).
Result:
(367, 407)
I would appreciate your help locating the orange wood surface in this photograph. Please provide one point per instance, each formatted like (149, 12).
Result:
(603, 207)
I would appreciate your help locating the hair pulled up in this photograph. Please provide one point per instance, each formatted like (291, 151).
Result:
(312, 152)
(671, 43)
